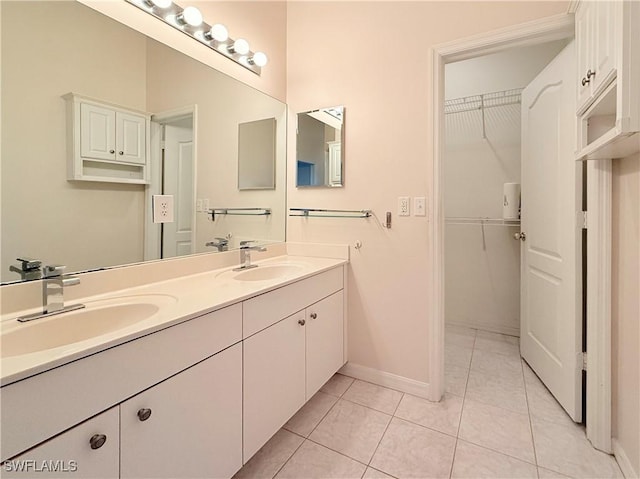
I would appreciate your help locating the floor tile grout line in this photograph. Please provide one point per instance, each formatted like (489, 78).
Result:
(385, 431)
(292, 454)
(533, 441)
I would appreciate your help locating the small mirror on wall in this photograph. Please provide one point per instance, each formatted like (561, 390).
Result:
(320, 148)
(257, 155)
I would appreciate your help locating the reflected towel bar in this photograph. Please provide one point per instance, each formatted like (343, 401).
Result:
(239, 212)
(323, 213)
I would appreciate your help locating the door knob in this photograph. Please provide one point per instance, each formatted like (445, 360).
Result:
(520, 236)
(144, 414)
(590, 74)
(585, 81)
(97, 441)
(313, 315)
(302, 322)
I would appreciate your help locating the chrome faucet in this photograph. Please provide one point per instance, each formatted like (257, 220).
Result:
(245, 255)
(221, 243)
(29, 268)
(53, 284)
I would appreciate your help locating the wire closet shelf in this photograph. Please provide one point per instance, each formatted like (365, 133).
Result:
(484, 101)
(457, 220)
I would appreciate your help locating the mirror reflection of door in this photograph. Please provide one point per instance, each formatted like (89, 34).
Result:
(178, 173)
(319, 148)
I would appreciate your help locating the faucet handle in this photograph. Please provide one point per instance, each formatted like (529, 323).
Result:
(53, 270)
(30, 264)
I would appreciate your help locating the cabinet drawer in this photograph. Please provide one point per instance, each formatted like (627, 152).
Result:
(46, 404)
(264, 310)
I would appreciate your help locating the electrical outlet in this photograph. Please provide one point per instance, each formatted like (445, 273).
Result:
(163, 208)
(420, 206)
(205, 205)
(199, 206)
(403, 206)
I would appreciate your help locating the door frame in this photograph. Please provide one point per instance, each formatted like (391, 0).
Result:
(153, 231)
(552, 28)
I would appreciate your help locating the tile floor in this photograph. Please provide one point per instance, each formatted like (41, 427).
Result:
(497, 420)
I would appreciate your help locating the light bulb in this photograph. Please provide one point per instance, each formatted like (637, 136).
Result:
(161, 3)
(259, 59)
(240, 46)
(218, 32)
(190, 16)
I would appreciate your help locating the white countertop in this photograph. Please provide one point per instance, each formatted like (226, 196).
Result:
(181, 299)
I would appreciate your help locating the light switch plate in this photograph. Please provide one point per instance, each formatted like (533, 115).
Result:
(403, 206)
(163, 208)
(420, 206)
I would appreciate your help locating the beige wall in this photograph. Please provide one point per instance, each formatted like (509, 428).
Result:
(353, 54)
(37, 200)
(626, 307)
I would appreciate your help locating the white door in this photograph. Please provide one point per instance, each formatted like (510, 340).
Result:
(179, 174)
(551, 323)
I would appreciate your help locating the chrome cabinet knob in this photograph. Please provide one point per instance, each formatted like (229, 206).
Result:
(313, 315)
(520, 236)
(97, 441)
(302, 322)
(590, 74)
(144, 414)
(112, 151)
(585, 81)
(121, 152)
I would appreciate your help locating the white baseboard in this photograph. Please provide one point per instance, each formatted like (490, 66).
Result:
(389, 380)
(623, 460)
(486, 326)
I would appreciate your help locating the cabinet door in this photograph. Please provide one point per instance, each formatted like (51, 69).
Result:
(195, 424)
(97, 132)
(130, 138)
(274, 369)
(72, 453)
(584, 48)
(325, 349)
(604, 46)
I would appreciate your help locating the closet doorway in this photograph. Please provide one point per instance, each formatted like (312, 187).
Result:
(484, 238)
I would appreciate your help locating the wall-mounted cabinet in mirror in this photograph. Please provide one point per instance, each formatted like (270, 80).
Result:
(194, 113)
(320, 148)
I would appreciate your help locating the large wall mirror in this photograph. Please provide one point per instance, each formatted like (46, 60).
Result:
(52, 48)
(320, 148)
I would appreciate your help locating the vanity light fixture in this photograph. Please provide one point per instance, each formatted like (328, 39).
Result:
(190, 16)
(240, 46)
(218, 32)
(158, 3)
(258, 58)
(189, 20)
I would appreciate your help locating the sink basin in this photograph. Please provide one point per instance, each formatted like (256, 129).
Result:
(98, 318)
(267, 272)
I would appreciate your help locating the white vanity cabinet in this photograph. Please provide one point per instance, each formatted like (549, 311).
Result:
(89, 450)
(608, 74)
(188, 426)
(106, 142)
(287, 360)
